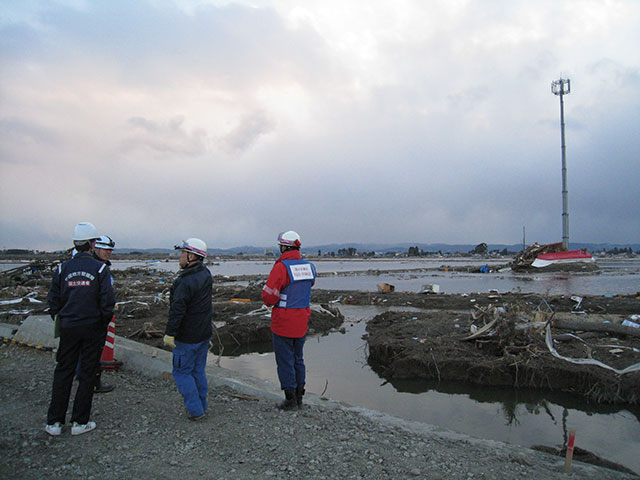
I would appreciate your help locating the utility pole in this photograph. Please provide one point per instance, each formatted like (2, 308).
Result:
(561, 88)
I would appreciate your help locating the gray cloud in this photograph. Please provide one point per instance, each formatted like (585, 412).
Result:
(169, 138)
(18, 139)
(247, 132)
(385, 124)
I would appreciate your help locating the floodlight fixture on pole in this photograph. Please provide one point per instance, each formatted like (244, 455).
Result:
(561, 88)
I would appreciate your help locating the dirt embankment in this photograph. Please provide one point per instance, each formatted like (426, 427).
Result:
(429, 344)
(143, 433)
(513, 352)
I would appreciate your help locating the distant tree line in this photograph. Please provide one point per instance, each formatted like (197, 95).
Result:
(480, 249)
(620, 251)
(17, 251)
(418, 252)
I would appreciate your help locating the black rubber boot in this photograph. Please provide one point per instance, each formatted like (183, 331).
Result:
(110, 365)
(289, 402)
(100, 387)
(299, 395)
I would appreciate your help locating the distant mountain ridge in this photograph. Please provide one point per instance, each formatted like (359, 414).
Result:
(385, 248)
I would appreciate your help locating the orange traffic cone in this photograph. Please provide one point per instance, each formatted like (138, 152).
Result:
(106, 360)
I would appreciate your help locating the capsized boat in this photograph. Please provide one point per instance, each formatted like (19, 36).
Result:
(570, 256)
(552, 254)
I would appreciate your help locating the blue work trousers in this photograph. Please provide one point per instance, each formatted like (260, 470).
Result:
(189, 361)
(290, 361)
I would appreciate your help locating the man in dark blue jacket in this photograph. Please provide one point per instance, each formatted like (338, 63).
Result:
(188, 330)
(81, 295)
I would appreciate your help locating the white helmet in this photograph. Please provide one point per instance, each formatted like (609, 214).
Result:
(289, 239)
(193, 245)
(84, 231)
(105, 241)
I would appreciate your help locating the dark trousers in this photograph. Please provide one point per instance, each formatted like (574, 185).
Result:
(290, 361)
(79, 347)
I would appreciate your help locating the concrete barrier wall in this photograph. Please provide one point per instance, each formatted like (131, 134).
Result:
(37, 330)
(148, 360)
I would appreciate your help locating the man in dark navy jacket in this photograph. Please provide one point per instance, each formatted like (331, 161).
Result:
(189, 330)
(81, 295)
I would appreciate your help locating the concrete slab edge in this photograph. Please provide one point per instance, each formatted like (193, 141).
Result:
(8, 330)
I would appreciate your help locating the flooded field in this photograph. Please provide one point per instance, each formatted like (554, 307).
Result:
(337, 363)
(615, 276)
(337, 366)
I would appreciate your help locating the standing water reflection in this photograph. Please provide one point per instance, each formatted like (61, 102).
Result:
(337, 365)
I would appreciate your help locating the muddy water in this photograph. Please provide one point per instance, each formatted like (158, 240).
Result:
(337, 366)
(616, 276)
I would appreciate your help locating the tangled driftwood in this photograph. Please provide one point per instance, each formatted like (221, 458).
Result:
(148, 330)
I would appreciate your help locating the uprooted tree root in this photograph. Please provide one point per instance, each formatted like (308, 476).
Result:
(429, 346)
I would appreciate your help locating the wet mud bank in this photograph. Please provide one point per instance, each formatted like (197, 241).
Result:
(436, 345)
(618, 304)
(246, 331)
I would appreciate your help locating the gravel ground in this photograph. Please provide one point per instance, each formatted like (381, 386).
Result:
(143, 432)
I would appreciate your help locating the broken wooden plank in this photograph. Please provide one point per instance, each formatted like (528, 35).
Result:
(483, 331)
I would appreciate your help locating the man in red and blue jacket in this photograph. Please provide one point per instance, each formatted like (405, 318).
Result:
(288, 290)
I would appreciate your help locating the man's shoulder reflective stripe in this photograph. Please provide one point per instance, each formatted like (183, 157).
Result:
(271, 291)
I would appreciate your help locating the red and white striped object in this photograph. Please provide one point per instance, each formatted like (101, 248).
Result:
(106, 360)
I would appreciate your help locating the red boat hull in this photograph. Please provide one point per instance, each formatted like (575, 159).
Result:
(571, 256)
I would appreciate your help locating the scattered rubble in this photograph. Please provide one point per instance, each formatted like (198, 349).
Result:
(142, 304)
(505, 333)
(508, 345)
(525, 260)
(241, 332)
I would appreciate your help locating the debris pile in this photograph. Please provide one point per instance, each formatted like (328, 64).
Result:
(142, 305)
(252, 330)
(505, 345)
(35, 273)
(525, 258)
(148, 330)
(386, 288)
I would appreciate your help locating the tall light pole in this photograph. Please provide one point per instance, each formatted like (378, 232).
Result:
(561, 88)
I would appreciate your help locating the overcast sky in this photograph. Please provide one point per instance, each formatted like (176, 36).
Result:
(349, 121)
